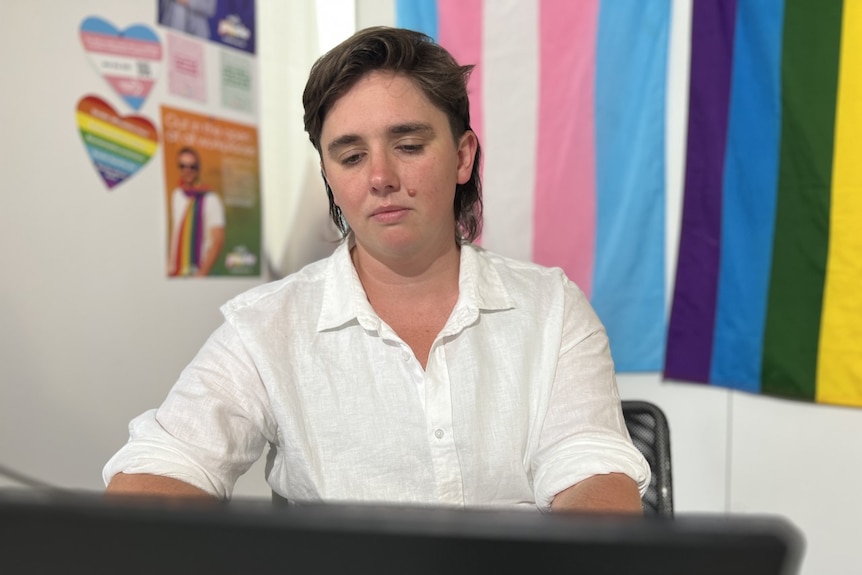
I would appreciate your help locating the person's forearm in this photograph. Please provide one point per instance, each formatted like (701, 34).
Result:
(146, 484)
(208, 263)
(611, 493)
(211, 255)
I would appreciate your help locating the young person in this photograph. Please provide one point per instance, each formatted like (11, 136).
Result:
(197, 221)
(410, 366)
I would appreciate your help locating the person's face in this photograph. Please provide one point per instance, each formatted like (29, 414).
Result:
(189, 168)
(392, 162)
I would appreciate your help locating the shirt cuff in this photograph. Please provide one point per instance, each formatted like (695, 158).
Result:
(150, 450)
(584, 456)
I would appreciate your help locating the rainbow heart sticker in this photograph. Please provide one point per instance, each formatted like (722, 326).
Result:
(119, 146)
(127, 59)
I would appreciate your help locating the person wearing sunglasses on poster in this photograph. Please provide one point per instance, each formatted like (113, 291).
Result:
(197, 221)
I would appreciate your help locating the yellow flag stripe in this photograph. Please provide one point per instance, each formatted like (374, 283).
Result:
(839, 365)
(116, 135)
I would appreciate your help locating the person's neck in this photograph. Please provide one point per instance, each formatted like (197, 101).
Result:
(409, 278)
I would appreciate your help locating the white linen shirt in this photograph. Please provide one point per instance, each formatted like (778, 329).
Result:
(518, 400)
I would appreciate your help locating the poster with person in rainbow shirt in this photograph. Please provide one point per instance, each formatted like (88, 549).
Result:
(212, 186)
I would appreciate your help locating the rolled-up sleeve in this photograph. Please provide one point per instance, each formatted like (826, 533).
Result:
(213, 425)
(583, 433)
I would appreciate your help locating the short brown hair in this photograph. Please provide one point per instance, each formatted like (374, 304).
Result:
(435, 72)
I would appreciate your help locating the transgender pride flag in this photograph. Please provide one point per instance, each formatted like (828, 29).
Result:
(768, 294)
(568, 99)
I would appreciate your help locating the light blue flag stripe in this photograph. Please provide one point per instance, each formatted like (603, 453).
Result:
(749, 196)
(419, 15)
(628, 290)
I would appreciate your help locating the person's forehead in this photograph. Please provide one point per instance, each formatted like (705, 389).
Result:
(381, 94)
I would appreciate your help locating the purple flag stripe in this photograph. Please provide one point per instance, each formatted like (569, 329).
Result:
(692, 321)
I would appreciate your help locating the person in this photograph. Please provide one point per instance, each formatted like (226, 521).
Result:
(197, 221)
(189, 16)
(410, 366)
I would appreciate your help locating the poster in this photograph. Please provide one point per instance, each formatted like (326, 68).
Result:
(227, 22)
(212, 192)
(186, 68)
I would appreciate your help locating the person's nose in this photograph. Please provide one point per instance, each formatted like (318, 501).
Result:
(384, 173)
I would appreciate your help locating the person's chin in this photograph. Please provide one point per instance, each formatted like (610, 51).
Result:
(394, 240)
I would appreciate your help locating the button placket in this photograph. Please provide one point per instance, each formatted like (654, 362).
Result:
(438, 414)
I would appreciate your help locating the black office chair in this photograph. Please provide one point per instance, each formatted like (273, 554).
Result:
(650, 433)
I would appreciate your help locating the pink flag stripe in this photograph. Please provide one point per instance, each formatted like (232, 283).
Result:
(564, 215)
(135, 87)
(118, 46)
(460, 30)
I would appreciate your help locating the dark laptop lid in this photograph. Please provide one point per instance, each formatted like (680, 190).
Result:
(51, 533)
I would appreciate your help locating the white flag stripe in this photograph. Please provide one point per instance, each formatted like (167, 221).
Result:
(511, 76)
(676, 124)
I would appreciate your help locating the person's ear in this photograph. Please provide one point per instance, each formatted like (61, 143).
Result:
(323, 171)
(323, 175)
(326, 185)
(467, 146)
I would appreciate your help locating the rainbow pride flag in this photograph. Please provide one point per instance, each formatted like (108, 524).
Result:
(768, 293)
(190, 235)
(568, 100)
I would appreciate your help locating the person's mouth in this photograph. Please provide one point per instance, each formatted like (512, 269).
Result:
(389, 214)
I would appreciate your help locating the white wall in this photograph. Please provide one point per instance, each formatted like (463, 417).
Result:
(91, 333)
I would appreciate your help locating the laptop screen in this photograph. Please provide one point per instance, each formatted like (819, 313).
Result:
(86, 533)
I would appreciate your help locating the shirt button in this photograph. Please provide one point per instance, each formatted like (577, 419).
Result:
(405, 355)
(438, 433)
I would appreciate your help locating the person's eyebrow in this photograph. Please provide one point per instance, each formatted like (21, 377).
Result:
(342, 142)
(412, 128)
(395, 130)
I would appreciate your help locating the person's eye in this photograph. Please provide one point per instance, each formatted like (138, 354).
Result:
(411, 148)
(350, 159)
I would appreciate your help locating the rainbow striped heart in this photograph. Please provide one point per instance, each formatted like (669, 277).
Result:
(118, 145)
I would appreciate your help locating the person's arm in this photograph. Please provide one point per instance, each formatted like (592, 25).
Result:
(205, 8)
(609, 493)
(216, 242)
(585, 459)
(174, 219)
(212, 426)
(146, 484)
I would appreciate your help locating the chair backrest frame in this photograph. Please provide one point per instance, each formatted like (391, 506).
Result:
(650, 432)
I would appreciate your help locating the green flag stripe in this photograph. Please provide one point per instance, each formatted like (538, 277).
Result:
(812, 35)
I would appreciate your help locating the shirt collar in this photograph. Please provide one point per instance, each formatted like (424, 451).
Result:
(344, 300)
(480, 289)
(479, 282)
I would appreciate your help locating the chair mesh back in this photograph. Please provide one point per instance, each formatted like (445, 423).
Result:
(649, 431)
